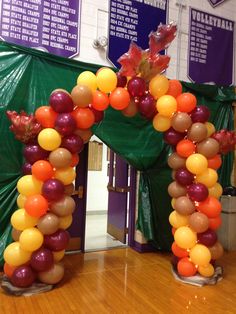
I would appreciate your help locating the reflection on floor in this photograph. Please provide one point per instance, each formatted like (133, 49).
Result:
(96, 237)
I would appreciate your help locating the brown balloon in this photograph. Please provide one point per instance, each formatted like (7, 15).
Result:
(69, 189)
(131, 110)
(82, 96)
(184, 206)
(64, 207)
(176, 162)
(53, 275)
(176, 190)
(60, 158)
(209, 147)
(173, 172)
(84, 134)
(197, 132)
(198, 222)
(181, 121)
(48, 224)
(216, 250)
(15, 234)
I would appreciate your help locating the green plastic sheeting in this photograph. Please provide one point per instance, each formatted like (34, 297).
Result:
(27, 77)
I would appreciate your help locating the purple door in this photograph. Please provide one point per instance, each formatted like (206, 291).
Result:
(117, 198)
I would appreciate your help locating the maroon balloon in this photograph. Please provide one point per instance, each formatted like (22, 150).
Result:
(73, 143)
(98, 114)
(57, 241)
(184, 177)
(61, 101)
(147, 106)
(198, 192)
(207, 238)
(22, 277)
(65, 124)
(34, 152)
(136, 86)
(26, 168)
(121, 80)
(42, 260)
(53, 189)
(200, 114)
(172, 137)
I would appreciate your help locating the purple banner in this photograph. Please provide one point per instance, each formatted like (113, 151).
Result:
(133, 20)
(214, 3)
(51, 26)
(211, 49)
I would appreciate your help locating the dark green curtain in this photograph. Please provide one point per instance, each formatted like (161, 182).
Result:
(27, 78)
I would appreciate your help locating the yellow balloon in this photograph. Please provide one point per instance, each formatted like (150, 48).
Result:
(158, 86)
(185, 237)
(58, 256)
(49, 139)
(31, 239)
(206, 271)
(216, 191)
(200, 255)
(173, 202)
(196, 163)
(65, 222)
(21, 200)
(88, 79)
(65, 175)
(209, 177)
(20, 220)
(166, 105)
(106, 80)
(210, 128)
(161, 123)
(176, 220)
(15, 256)
(28, 185)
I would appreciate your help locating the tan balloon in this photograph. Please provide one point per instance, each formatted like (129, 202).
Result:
(198, 222)
(15, 234)
(60, 158)
(181, 121)
(69, 189)
(131, 110)
(53, 275)
(176, 190)
(197, 132)
(82, 95)
(209, 147)
(48, 224)
(216, 250)
(176, 162)
(184, 206)
(84, 134)
(64, 207)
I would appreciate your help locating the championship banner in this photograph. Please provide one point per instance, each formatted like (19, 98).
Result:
(214, 3)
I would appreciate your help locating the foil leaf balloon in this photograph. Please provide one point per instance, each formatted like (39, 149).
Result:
(226, 139)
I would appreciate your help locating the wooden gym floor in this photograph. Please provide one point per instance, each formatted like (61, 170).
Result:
(124, 281)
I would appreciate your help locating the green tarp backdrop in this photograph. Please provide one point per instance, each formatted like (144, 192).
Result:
(27, 77)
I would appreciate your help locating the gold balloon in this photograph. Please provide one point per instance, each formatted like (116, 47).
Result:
(176, 220)
(49, 139)
(196, 163)
(200, 255)
(158, 86)
(65, 222)
(210, 128)
(15, 256)
(209, 177)
(166, 105)
(69, 189)
(185, 237)
(20, 220)
(206, 271)
(21, 200)
(88, 79)
(106, 80)
(161, 123)
(28, 185)
(58, 256)
(65, 175)
(216, 190)
(31, 239)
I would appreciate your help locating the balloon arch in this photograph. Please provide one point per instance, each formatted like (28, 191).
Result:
(55, 135)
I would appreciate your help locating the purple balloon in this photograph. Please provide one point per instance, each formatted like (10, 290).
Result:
(26, 168)
(136, 86)
(207, 238)
(172, 137)
(34, 152)
(61, 101)
(41, 260)
(121, 80)
(65, 124)
(197, 192)
(57, 241)
(147, 106)
(22, 277)
(200, 114)
(73, 143)
(184, 177)
(53, 189)
(99, 115)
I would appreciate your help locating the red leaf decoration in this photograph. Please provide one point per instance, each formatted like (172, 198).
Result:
(130, 60)
(24, 126)
(226, 139)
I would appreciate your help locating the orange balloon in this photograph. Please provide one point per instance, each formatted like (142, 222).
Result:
(46, 116)
(84, 118)
(100, 100)
(186, 102)
(185, 148)
(186, 268)
(75, 160)
(175, 88)
(215, 162)
(42, 170)
(211, 207)
(36, 205)
(8, 269)
(215, 223)
(178, 251)
(119, 98)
